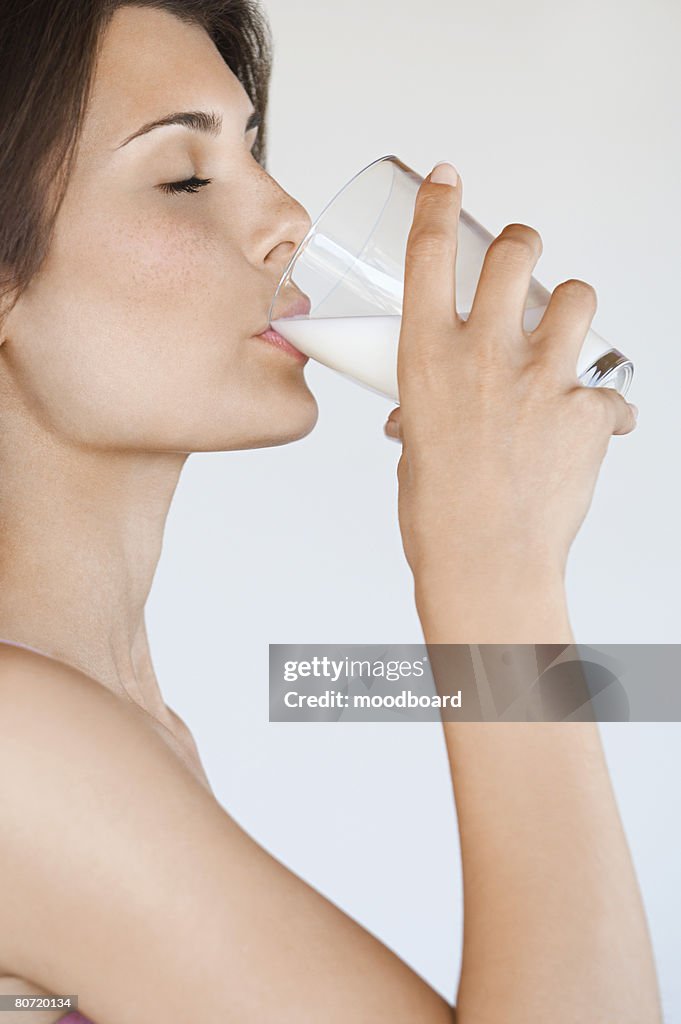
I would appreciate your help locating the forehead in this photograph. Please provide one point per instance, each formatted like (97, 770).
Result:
(151, 63)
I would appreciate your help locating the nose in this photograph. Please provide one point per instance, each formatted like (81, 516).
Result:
(286, 224)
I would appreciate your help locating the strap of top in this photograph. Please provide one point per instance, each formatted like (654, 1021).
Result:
(26, 647)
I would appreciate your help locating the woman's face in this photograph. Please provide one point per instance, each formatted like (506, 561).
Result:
(139, 331)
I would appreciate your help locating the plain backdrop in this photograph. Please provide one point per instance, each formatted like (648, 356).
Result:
(564, 117)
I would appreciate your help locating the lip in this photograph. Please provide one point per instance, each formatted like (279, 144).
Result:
(300, 306)
(274, 338)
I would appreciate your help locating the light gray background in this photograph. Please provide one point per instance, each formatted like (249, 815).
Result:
(560, 116)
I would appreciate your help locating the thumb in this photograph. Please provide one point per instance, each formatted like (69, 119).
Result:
(393, 425)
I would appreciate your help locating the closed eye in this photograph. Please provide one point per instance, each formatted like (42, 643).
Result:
(192, 184)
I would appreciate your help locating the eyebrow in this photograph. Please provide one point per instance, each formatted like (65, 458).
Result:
(197, 120)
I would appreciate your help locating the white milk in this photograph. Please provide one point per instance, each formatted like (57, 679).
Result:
(365, 347)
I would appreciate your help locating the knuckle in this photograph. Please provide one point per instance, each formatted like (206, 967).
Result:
(512, 247)
(484, 370)
(578, 291)
(428, 201)
(489, 347)
(429, 243)
(528, 234)
(542, 372)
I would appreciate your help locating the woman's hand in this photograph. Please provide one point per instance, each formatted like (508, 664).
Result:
(501, 444)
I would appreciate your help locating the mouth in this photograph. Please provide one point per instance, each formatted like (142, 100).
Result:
(298, 307)
(274, 338)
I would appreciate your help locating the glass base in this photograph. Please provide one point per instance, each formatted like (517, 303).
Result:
(611, 370)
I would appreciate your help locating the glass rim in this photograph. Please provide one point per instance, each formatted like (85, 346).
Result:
(313, 227)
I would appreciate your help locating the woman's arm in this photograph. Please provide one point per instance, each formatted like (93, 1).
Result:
(501, 451)
(123, 881)
(554, 927)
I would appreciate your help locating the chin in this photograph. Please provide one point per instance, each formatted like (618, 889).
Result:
(298, 419)
(283, 418)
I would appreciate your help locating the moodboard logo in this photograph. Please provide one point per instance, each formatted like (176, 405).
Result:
(474, 682)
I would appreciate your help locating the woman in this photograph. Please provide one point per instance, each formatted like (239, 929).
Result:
(139, 259)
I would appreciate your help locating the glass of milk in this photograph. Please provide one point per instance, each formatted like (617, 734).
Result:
(340, 298)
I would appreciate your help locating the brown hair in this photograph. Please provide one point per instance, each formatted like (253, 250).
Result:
(48, 50)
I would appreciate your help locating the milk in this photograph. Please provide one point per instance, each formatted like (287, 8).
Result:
(365, 347)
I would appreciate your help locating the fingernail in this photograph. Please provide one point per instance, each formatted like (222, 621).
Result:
(444, 173)
(634, 409)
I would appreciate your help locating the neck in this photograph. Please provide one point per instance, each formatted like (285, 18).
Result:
(81, 533)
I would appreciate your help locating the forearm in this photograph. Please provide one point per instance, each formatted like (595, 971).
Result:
(480, 601)
(554, 927)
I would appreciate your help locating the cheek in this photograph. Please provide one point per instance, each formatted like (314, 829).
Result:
(129, 321)
(159, 264)
(157, 271)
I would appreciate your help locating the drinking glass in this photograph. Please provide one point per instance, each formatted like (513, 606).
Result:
(339, 299)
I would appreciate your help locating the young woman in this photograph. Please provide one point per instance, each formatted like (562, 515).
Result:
(141, 240)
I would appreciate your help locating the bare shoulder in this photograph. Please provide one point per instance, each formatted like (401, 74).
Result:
(47, 704)
(43, 694)
(35, 682)
(123, 880)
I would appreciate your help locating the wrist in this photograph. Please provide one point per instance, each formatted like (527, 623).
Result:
(475, 600)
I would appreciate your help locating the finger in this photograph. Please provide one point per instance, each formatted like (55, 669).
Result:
(566, 322)
(504, 281)
(623, 415)
(393, 425)
(429, 300)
